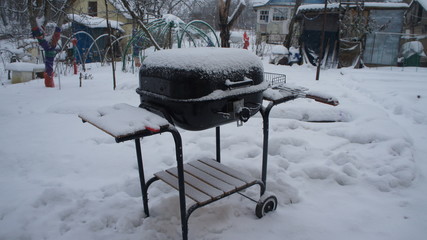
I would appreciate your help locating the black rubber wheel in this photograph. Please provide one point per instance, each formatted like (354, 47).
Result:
(266, 205)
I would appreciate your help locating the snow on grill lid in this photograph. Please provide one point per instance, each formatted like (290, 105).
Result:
(209, 60)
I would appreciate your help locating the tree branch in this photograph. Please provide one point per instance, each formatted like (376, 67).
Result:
(141, 24)
(236, 13)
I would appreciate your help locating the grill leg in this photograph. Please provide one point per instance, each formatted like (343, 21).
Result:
(142, 177)
(218, 144)
(180, 168)
(265, 112)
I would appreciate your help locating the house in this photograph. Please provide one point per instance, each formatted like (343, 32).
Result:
(97, 8)
(92, 37)
(416, 17)
(355, 32)
(273, 19)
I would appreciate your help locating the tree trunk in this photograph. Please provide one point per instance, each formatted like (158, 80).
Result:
(289, 36)
(226, 22)
(225, 36)
(48, 47)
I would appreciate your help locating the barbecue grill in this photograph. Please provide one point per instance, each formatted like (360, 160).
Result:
(202, 88)
(198, 89)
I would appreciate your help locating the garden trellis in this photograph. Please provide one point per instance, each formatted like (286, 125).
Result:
(170, 30)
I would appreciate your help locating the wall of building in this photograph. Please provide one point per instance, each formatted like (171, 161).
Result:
(81, 6)
(271, 30)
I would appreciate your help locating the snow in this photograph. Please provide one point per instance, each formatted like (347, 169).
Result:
(410, 48)
(24, 67)
(95, 22)
(423, 3)
(170, 18)
(257, 3)
(308, 7)
(279, 50)
(123, 119)
(210, 60)
(360, 177)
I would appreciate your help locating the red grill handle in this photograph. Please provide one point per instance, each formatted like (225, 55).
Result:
(327, 100)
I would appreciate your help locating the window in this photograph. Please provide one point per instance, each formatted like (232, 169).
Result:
(280, 14)
(92, 9)
(263, 15)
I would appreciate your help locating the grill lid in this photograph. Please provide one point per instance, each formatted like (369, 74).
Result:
(192, 73)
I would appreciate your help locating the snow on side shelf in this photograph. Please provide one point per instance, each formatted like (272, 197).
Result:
(210, 60)
(123, 119)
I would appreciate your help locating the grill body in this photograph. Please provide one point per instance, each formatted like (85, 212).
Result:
(203, 87)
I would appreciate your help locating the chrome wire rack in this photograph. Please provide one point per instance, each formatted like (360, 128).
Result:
(274, 79)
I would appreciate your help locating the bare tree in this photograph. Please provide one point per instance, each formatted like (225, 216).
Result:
(289, 36)
(41, 13)
(226, 21)
(138, 16)
(13, 19)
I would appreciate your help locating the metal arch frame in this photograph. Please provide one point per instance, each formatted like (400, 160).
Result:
(116, 40)
(191, 24)
(94, 42)
(65, 44)
(182, 29)
(87, 52)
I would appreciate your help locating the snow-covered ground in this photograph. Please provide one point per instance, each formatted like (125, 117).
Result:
(360, 177)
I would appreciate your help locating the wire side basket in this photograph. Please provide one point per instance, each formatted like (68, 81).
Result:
(274, 79)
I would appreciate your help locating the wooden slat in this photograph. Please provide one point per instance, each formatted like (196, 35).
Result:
(198, 184)
(218, 174)
(190, 191)
(229, 171)
(218, 183)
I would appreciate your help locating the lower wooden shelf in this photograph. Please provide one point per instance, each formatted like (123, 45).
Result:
(207, 180)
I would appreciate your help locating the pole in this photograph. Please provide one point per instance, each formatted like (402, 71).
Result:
(111, 47)
(322, 41)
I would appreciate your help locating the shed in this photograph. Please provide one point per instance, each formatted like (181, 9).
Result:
(92, 36)
(381, 23)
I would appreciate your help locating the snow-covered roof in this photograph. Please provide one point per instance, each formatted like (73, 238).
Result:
(423, 3)
(259, 3)
(262, 3)
(316, 7)
(95, 22)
